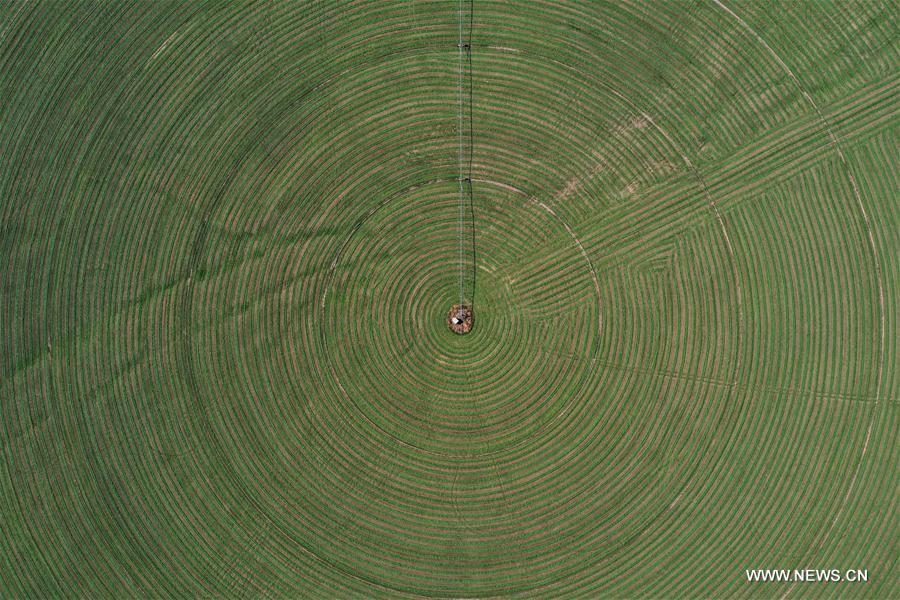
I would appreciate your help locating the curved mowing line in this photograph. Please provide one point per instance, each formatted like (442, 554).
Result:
(833, 140)
(575, 240)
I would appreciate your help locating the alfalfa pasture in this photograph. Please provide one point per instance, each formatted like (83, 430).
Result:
(234, 236)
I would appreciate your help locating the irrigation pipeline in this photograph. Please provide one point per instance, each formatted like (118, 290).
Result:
(459, 179)
(464, 180)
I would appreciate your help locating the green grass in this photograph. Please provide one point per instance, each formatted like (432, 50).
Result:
(230, 240)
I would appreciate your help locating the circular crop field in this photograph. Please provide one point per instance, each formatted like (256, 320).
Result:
(449, 299)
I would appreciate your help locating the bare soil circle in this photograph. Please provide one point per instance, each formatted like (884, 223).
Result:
(460, 319)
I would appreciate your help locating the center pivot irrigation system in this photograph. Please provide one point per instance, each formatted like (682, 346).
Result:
(464, 163)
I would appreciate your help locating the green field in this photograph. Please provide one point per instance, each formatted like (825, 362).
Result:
(232, 232)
